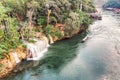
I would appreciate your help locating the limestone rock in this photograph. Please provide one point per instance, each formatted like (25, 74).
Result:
(9, 62)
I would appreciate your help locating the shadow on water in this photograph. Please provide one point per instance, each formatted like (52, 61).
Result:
(61, 52)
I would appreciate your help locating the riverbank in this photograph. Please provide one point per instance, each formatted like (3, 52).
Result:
(53, 20)
(116, 10)
(96, 59)
(9, 63)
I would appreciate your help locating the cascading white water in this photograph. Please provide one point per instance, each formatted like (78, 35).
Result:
(35, 50)
(17, 60)
(51, 39)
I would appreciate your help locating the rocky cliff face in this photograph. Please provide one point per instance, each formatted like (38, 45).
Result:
(14, 57)
(11, 60)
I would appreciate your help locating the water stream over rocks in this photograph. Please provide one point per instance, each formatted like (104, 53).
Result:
(35, 50)
(96, 59)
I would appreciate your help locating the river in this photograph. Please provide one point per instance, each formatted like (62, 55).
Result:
(96, 59)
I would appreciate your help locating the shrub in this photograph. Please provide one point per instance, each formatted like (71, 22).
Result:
(48, 30)
(41, 21)
(58, 34)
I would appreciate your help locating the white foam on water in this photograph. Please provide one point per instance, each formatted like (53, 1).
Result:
(16, 57)
(36, 50)
(39, 56)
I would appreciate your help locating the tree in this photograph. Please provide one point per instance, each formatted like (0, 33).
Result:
(32, 11)
(18, 8)
(3, 17)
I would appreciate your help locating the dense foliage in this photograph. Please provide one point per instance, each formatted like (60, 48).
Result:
(20, 19)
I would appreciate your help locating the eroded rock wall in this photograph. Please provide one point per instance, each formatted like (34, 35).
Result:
(9, 62)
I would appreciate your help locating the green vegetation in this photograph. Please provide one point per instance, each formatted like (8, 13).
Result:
(21, 19)
(50, 30)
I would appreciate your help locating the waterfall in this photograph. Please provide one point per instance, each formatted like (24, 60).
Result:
(51, 39)
(81, 7)
(35, 50)
(17, 60)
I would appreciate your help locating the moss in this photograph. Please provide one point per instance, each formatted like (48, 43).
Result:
(58, 34)
(31, 41)
(24, 46)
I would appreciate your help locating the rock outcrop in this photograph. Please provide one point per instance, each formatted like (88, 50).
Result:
(8, 63)
(14, 57)
(96, 16)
